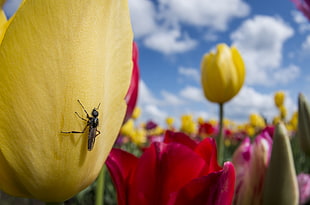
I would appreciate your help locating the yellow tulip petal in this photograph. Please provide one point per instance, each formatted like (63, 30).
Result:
(52, 54)
(279, 98)
(239, 64)
(2, 3)
(222, 74)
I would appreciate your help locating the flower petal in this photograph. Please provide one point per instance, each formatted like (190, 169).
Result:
(121, 165)
(162, 170)
(215, 189)
(132, 94)
(207, 150)
(51, 55)
(179, 137)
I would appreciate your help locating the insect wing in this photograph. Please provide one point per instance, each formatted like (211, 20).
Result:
(91, 138)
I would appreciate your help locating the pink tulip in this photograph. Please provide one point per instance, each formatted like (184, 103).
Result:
(304, 188)
(251, 162)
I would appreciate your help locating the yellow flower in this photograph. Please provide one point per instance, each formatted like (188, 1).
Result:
(250, 130)
(283, 112)
(257, 121)
(222, 74)
(276, 120)
(169, 121)
(139, 138)
(279, 98)
(128, 129)
(187, 124)
(136, 113)
(53, 53)
(200, 120)
(294, 121)
(213, 122)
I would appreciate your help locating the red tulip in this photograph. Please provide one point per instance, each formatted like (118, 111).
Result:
(172, 173)
(206, 129)
(132, 93)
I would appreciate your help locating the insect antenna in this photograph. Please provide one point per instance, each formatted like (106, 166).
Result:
(98, 106)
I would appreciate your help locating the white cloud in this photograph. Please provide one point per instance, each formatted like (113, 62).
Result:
(171, 99)
(301, 20)
(193, 93)
(214, 14)
(286, 75)
(211, 36)
(161, 25)
(250, 101)
(191, 73)
(170, 41)
(145, 95)
(154, 113)
(306, 43)
(260, 41)
(143, 14)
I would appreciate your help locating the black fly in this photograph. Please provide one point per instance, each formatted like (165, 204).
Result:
(92, 123)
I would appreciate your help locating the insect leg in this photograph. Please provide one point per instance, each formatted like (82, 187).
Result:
(83, 108)
(97, 133)
(76, 131)
(81, 117)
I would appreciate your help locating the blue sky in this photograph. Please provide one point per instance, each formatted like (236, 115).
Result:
(173, 35)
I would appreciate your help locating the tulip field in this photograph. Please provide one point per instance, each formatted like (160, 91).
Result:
(71, 130)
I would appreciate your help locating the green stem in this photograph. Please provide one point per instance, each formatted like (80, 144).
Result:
(100, 187)
(220, 137)
(54, 203)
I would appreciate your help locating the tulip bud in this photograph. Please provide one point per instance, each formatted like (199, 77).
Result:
(280, 185)
(222, 74)
(279, 98)
(303, 132)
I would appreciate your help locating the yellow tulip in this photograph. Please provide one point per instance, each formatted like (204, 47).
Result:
(222, 74)
(283, 112)
(169, 121)
(139, 138)
(257, 121)
(128, 129)
(187, 124)
(294, 121)
(279, 98)
(136, 113)
(53, 53)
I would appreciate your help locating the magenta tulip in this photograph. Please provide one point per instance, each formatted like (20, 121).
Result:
(132, 93)
(303, 6)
